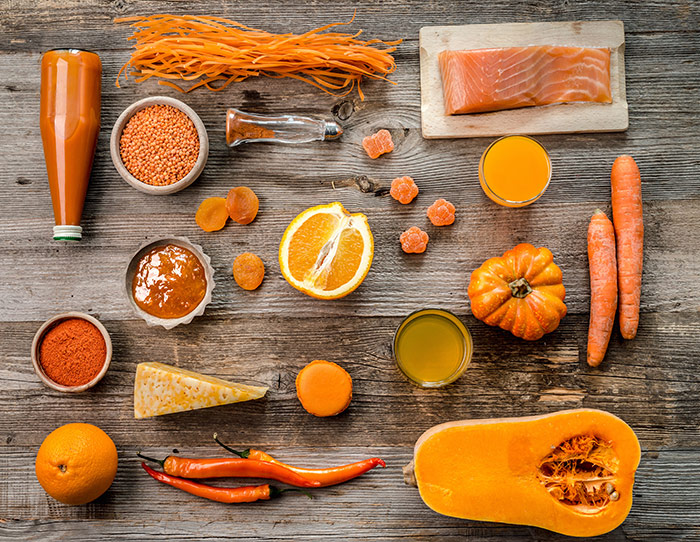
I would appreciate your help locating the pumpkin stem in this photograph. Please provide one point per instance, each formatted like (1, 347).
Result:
(520, 288)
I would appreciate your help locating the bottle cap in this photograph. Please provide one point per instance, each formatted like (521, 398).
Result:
(67, 233)
(332, 130)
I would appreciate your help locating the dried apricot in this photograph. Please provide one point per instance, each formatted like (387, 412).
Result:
(212, 214)
(403, 189)
(242, 204)
(248, 271)
(441, 213)
(414, 240)
(377, 144)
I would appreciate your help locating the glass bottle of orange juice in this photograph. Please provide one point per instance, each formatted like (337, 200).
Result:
(515, 170)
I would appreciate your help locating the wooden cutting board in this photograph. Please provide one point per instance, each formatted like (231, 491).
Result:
(550, 119)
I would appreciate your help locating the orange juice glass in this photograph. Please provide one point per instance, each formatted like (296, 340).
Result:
(515, 170)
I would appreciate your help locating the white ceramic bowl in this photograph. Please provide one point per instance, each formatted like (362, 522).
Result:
(169, 323)
(36, 344)
(117, 134)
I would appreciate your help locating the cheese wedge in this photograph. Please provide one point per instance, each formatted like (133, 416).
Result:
(164, 389)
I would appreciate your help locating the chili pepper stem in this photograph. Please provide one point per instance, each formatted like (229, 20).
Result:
(244, 454)
(276, 492)
(161, 462)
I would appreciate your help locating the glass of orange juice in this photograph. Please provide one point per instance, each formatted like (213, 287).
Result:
(515, 170)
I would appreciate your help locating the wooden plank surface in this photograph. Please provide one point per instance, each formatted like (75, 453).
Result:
(553, 119)
(266, 336)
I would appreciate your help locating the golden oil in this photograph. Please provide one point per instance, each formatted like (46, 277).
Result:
(432, 347)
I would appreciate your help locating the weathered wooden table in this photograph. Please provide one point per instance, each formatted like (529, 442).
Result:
(266, 336)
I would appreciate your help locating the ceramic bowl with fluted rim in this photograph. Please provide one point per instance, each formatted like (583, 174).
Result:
(169, 323)
(188, 179)
(50, 324)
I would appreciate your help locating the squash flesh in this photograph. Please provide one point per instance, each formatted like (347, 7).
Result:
(488, 470)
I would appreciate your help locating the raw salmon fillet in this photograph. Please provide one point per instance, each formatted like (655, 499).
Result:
(493, 79)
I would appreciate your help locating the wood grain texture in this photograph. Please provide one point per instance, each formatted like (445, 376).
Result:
(266, 336)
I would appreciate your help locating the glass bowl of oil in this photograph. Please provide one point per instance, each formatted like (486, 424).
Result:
(432, 347)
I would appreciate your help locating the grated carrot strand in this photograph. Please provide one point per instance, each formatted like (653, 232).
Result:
(206, 49)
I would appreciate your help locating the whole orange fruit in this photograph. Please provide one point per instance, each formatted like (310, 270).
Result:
(76, 463)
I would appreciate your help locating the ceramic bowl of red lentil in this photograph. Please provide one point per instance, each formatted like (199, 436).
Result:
(159, 145)
(71, 352)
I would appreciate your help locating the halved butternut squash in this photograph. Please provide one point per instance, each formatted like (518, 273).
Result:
(571, 472)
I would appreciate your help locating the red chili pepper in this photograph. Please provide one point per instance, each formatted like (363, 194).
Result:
(325, 477)
(219, 494)
(231, 467)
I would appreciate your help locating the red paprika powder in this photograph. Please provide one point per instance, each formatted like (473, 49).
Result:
(72, 352)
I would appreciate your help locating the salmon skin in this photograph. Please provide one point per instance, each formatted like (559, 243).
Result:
(482, 80)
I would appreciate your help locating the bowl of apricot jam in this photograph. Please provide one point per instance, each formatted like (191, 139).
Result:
(169, 281)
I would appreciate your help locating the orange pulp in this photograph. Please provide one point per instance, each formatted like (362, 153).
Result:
(514, 171)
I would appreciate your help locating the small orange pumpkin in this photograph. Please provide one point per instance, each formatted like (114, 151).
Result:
(521, 292)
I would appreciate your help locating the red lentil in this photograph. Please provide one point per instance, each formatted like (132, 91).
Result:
(159, 145)
(73, 352)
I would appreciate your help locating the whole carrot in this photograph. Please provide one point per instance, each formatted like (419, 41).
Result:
(325, 477)
(603, 271)
(219, 494)
(626, 185)
(230, 467)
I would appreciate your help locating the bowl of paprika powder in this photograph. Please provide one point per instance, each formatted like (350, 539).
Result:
(71, 352)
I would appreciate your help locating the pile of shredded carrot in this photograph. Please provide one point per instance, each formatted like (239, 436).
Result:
(211, 50)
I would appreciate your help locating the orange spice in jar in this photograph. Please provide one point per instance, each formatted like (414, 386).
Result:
(242, 127)
(159, 145)
(169, 282)
(72, 352)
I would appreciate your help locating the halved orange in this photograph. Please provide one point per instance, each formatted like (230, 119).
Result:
(326, 252)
